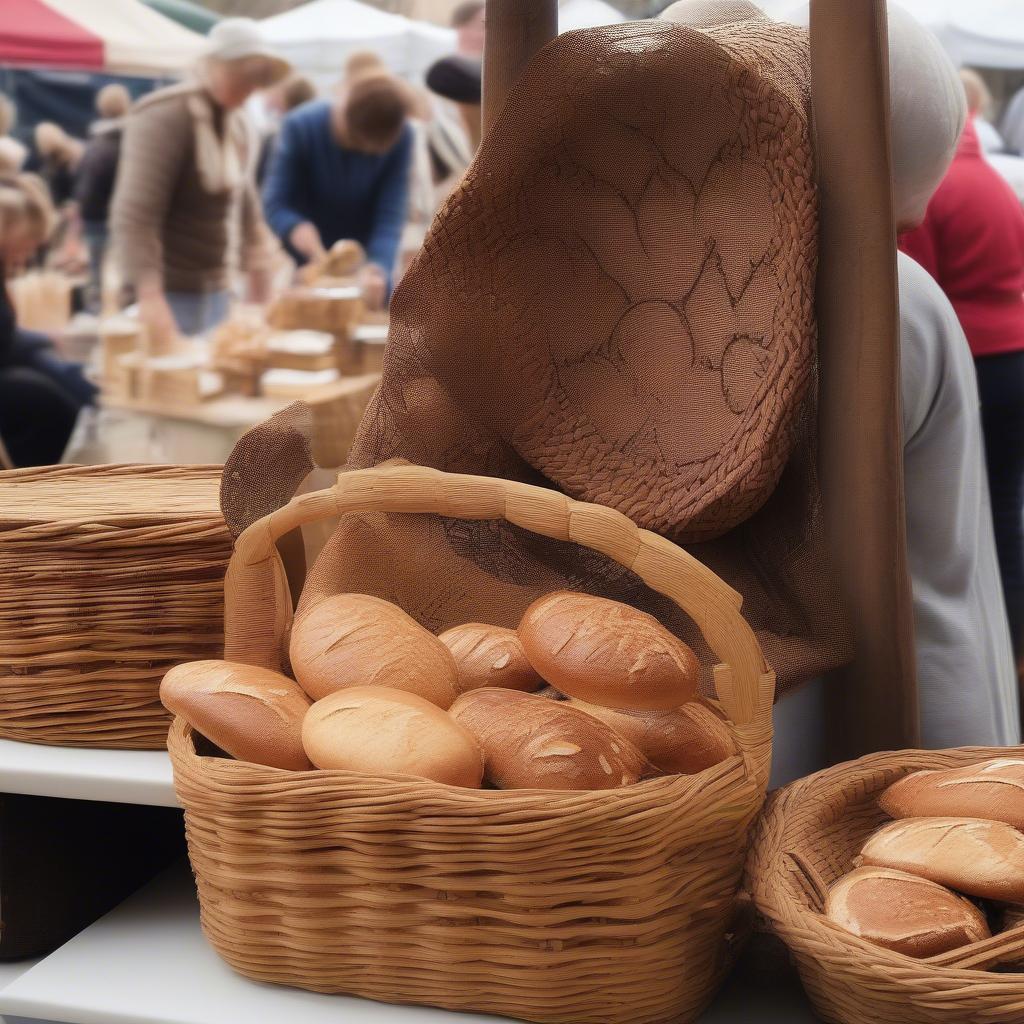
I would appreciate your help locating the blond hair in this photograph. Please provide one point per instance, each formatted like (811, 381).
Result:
(113, 101)
(8, 114)
(979, 99)
(25, 202)
(12, 155)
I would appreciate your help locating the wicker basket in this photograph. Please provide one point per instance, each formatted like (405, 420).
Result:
(571, 907)
(807, 838)
(108, 576)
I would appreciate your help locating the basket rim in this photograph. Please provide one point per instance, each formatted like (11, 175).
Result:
(788, 910)
(181, 747)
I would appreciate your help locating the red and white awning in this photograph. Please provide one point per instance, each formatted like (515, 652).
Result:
(117, 36)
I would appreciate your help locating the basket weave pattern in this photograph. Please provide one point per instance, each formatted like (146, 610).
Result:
(567, 907)
(108, 576)
(807, 839)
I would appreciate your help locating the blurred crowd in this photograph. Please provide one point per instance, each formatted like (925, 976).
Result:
(178, 203)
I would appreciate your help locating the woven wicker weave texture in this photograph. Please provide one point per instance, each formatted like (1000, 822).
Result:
(574, 907)
(806, 839)
(108, 576)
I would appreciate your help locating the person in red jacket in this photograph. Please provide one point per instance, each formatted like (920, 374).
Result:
(972, 243)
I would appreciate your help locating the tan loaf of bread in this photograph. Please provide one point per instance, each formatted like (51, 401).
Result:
(993, 790)
(976, 857)
(378, 730)
(532, 742)
(253, 713)
(608, 653)
(682, 741)
(904, 913)
(356, 640)
(490, 656)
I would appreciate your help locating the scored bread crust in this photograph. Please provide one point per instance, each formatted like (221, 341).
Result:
(609, 653)
(255, 714)
(357, 640)
(531, 742)
(683, 740)
(904, 913)
(490, 656)
(974, 856)
(378, 730)
(993, 790)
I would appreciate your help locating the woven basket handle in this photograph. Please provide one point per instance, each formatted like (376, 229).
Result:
(258, 609)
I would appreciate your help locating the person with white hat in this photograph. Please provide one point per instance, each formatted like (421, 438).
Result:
(186, 181)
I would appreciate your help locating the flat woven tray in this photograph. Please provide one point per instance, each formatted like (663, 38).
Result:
(108, 576)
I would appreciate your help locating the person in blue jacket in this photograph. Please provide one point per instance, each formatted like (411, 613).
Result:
(341, 170)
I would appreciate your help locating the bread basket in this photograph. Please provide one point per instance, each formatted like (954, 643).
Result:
(109, 575)
(806, 839)
(593, 907)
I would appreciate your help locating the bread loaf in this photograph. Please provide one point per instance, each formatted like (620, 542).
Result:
(356, 640)
(904, 913)
(490, 656)
(993, 790)
(608, 653)
(531, 742)
(381, 731)
(682, 741)
(979, 858)
(345, 257)
(253, 713)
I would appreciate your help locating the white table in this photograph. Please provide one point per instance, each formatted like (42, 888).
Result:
(147, 962)
(116, 776)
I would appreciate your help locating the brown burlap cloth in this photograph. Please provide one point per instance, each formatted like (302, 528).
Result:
(617, 302)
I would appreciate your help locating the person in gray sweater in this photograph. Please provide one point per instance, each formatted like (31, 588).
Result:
(186, 179)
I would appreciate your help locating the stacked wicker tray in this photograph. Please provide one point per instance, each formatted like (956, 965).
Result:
(108, 576)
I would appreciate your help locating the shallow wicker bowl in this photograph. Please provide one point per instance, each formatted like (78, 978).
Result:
(806, 839)
(559, 907)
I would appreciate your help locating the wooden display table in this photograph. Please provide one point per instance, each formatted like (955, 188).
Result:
(129, 430)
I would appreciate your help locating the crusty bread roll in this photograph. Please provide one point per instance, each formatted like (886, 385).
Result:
(608, 653)
(976, 857)
(357, 640)
(490, 656)
(993, 790)
(904, 913)
(682, 741)
(345, 257)
(1013, 917)
(531, 742)
(378, 730)
(253, 713)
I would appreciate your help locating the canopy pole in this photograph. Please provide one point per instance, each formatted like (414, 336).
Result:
(874, 705)
(516, 30)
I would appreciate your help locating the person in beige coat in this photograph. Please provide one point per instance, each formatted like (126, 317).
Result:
(186, 188)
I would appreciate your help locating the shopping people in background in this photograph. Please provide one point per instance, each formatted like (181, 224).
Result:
(186, 182)
(341, 170)
(13, 153)
(59, 155)
(979, 106)
(972, 243)
(454, 131)
(40, 394)
(280, 101)
(94, 181)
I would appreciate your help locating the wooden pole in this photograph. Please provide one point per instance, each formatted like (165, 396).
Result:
(516, 30)
(874, 704)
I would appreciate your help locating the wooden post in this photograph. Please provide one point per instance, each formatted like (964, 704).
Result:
(516, 30)
(874, 705)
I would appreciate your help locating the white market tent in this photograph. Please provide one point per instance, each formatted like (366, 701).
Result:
(587, 14)
(978, 33)
(981, 33)
(318, 37)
